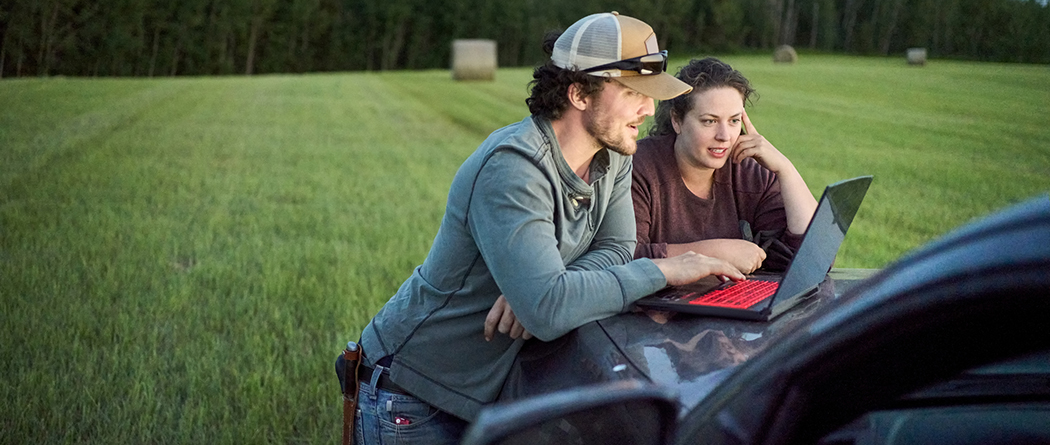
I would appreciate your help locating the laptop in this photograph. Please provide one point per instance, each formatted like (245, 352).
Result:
(766, 295)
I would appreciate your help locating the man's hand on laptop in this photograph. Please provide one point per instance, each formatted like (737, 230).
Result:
(690, 266)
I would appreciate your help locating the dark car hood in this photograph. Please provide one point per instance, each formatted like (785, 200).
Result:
(690, 353)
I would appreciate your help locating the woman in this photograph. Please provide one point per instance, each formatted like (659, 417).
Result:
(706, 181)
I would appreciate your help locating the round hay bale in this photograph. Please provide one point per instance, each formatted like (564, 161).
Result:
(917, 56)
(785, 54)
(473, 59)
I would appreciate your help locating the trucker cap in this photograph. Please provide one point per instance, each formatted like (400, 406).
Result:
(623, 48)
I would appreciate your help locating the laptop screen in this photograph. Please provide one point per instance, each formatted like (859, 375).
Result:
(825, 234)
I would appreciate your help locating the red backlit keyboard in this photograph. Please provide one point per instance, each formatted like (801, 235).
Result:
(739, 295)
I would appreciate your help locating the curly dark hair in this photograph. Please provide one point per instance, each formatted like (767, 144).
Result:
(702, 75)
(550, 84)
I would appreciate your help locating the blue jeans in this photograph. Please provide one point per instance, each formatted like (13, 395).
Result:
(388, 418)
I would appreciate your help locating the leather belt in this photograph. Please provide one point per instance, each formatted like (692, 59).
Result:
(384, 382)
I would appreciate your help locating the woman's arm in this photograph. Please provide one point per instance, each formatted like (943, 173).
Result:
(799, 203)
(744, 255)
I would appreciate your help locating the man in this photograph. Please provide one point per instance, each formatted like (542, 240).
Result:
(538, 229)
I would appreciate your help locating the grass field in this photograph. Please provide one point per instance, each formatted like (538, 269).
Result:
(181, 259)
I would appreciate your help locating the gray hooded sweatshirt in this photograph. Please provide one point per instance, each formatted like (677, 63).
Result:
(518, 222)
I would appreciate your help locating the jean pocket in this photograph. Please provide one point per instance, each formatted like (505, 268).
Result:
(410, 420)
(407, 411)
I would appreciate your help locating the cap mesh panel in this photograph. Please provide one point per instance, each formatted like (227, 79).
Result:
(588, 43)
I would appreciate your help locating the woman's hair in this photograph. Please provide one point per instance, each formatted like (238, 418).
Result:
(702, 75)
(550, 84)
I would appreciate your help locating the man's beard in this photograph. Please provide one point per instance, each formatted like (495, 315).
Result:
(598, 125)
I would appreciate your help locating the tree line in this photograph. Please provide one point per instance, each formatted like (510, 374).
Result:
(218, 37)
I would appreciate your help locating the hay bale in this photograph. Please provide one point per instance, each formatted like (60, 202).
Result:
(473, 59)
(917, 56)
(785, 54)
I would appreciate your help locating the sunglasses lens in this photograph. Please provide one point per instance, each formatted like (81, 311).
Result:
(653, 63)
(650, 67)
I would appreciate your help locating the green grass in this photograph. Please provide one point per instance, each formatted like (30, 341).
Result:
(181, 259)
(947, 142)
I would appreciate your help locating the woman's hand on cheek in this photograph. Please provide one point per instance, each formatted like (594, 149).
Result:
(754, 145)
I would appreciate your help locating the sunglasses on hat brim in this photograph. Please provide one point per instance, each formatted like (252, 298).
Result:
(646, 65)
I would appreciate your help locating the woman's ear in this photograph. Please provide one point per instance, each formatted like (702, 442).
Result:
(675, 123)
